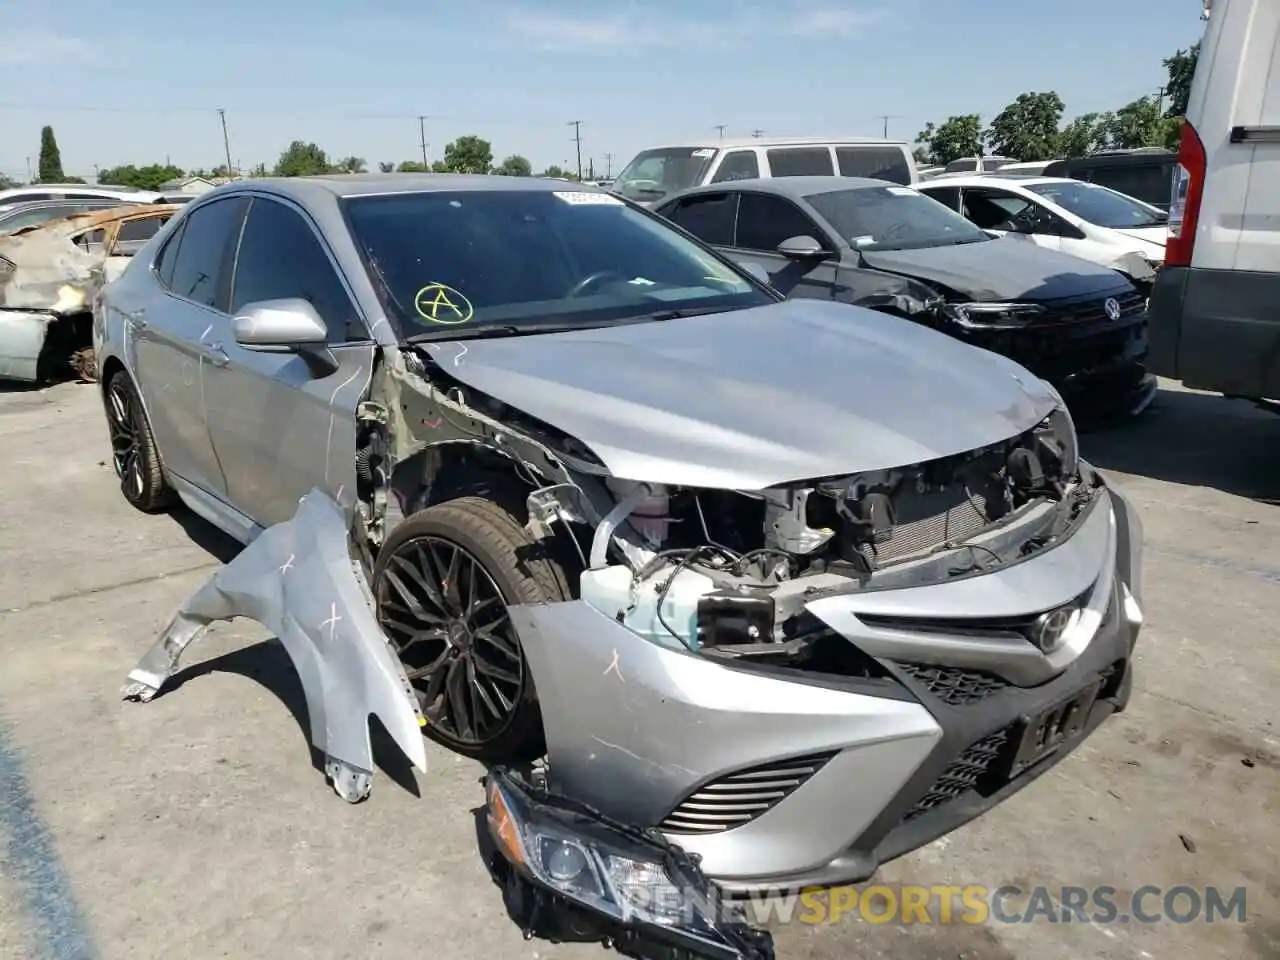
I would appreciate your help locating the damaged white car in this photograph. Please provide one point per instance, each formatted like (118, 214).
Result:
(800, 585)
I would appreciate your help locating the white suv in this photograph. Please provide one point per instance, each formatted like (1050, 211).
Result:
(657, 173)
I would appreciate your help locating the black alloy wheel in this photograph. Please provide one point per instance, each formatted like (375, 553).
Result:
(134, 454)
(442, 583)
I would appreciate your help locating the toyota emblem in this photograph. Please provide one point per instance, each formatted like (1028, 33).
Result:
(1112, 308)
(1051, 628)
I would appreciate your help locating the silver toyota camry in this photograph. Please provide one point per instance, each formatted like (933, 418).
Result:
(802, 585)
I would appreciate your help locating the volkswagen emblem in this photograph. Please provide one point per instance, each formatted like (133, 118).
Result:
(1051, 627)
(1112, 308)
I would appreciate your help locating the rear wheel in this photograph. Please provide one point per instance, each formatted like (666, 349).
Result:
(442, 582)
(133, 447)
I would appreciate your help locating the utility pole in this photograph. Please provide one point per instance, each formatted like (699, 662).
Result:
(422, 138)
(608, 166)
(885, 118)
(226, 141)
(757, 134)
(720, 127)
(28, 169)
(1160, 100)
(577, 139)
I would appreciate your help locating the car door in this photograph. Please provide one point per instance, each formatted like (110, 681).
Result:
(284, 422)
(1005, 212)
(168, 334)
(763, 222)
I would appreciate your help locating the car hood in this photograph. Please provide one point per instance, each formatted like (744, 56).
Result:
(1150, 236)
(756, 398)
(1011, 268)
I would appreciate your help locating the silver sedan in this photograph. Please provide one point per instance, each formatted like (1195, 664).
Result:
(802, 585)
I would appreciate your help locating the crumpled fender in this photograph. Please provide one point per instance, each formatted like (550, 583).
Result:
(300, 580)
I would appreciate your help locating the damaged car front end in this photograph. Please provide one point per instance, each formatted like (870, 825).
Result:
(778, 589)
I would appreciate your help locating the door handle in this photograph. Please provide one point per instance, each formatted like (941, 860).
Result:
(216, 355)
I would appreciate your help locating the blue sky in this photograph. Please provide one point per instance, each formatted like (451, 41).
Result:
(141, 81)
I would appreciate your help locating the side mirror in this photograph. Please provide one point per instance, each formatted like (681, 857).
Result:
(801, 248)
(288, 324)
(757, 272)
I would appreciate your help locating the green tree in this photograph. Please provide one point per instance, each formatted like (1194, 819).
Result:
(1181, 68)
(7, 183)
(149, 177)
(1027, 129)
(1084, 135)
(412, 166)
(514, 166)
(302, 159)
(1137, 124)
(922, 157)
(956, 137)
(468, 154)
(50, 158)
(352, 165)
(554, 172)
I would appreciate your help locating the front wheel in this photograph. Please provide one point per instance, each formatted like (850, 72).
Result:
(442, 583)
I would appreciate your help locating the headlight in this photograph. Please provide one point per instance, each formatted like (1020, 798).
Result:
(609, 881)
(993, 316)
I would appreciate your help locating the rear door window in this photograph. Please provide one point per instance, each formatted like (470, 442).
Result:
(800, 162)
(709, 217)
(737, 165)
(133, 234)
(200, 272)
(947, 196)
(878, 163)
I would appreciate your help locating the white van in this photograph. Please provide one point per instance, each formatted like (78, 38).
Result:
(653, 174)
(1214, 320)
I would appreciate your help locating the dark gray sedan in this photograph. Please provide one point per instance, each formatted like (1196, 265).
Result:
(891, 248)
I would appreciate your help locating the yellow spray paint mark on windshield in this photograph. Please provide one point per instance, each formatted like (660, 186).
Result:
(440, 303)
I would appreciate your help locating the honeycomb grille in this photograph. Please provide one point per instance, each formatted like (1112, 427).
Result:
(955, 687)
(972, 770)
(738, 798)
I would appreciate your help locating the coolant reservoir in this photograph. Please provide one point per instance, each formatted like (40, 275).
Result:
(609, 590)
(651, 517)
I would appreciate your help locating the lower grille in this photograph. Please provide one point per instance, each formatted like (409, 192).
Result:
(975, 769)
(954, 686)
(738, 798)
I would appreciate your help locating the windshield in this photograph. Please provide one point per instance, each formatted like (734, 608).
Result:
(454, 263)
(1100, 205)
(655, 173)
(893, 218)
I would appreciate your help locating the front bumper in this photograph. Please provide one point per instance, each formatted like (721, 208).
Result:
(782, 778)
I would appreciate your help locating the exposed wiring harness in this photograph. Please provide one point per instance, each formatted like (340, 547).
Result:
(686, 558)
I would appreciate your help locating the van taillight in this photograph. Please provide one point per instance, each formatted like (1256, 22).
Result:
(1184, 204)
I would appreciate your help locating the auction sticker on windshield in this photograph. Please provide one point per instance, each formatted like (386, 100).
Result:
(583, 198)
(440, 303)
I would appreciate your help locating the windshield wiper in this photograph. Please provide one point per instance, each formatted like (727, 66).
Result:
(482, 331)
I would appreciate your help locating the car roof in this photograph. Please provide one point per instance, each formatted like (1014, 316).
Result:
(793, 187)
(994, 179)
(376, 184)
(729, 143)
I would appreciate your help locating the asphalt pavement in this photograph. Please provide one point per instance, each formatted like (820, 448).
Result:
(197, 825)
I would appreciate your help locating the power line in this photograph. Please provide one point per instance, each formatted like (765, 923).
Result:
(577, 139)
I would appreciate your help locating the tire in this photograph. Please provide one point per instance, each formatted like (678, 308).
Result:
(439, 648)
(133, 447)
